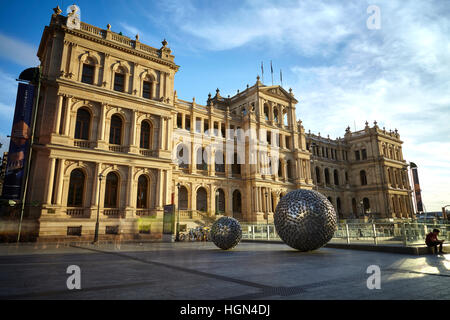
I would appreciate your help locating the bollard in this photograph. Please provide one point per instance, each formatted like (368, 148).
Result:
(374, 234)
(347, 233)
(405, 241)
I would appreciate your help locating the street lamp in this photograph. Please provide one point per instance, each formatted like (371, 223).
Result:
(314, 145)
(100, 177)
(267, 214)
(217, 201)
(177, 237)
(361, 203)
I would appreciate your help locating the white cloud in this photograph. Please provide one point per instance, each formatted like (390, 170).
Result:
(273, 24)
(397, 75)
(18, 51)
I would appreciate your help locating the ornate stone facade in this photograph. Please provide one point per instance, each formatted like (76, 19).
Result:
(108, 107)
(363, 174)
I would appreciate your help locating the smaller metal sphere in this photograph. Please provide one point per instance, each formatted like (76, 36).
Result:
(226, 233)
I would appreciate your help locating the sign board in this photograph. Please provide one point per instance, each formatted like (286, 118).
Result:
(169, 219)
(20, 142)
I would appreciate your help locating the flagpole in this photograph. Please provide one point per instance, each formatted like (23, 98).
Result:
(271, 70)
(281, 77)
(262, 71)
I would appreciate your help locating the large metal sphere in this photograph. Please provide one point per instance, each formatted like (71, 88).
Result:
(305, 219)
(226, 233)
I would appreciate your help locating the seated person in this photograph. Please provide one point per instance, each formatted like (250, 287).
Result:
(432, 241)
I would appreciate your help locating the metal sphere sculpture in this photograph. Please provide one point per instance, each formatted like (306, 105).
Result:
(226, 233)
(305, 220)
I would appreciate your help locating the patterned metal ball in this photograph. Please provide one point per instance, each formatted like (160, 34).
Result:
(226, 233)
(305, 220)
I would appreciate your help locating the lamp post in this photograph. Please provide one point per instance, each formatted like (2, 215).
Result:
(100, 177)
(314, 145)
(217, 202)
(267, 214)
(177, 236)
(361, 203)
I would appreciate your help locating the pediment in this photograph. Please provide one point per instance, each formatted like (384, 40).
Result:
(278, 92)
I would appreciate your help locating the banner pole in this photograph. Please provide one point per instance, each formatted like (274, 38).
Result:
(29, 153)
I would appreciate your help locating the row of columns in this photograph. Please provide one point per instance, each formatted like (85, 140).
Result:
(56, 189)
(71, 50)
(397, 178)
(261, 203)
(61, 107)
(282, 110)
(400, 205)
(341, 176)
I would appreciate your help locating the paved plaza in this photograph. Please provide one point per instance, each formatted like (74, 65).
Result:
(198, 270)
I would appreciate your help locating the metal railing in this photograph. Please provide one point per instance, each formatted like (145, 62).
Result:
(396, 233)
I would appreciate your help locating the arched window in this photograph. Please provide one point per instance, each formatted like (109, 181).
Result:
(266, 112)
(237, 204)
(82, 124)
(183, 156)
(145, 135)
(274, 200)
(201, 161)
(220, 201)
(236, 167)
(327, 176)
(147, 88)
(393, 205)
(354, 206)
(336, 177)
(142, 192)
(87, 75)
(115, 132)
(285, 118)
(202, 204)
(366, 205)
(219, 159)
(183, 198)
(338, 206)
(119, 80)
(111, 190)
(275, 115)
(317, 175)
(280, 168)
(76, 189)
(362, 175)
(330, 199)
(290, 170)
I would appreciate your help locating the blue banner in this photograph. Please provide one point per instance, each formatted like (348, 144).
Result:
(20, 143)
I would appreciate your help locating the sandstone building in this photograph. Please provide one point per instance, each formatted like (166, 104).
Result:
(108, 109)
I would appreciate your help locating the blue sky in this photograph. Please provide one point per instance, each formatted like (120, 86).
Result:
(341, 72)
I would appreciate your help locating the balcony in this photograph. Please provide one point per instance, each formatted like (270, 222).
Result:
(147, 152)
(84, 143)
(114, 213)
(78, 212)
(145, 213)
(118, 148)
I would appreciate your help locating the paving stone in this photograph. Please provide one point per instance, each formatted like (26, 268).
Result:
(202, 271)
